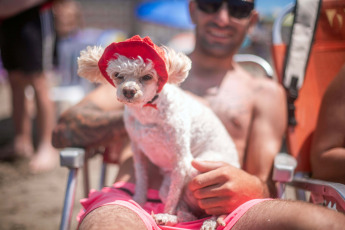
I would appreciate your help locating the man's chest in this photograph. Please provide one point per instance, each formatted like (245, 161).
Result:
(231, 99)
(234, 106)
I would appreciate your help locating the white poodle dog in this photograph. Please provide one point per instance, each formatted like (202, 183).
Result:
(166, 125)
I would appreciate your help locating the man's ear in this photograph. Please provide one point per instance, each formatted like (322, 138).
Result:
(192, 11)
(254, 18)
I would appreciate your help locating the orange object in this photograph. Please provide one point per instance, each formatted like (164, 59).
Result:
(326, 58)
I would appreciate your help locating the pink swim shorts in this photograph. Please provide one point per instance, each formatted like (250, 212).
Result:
(121, 194)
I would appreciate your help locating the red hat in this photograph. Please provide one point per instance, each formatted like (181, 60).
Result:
(132, 48)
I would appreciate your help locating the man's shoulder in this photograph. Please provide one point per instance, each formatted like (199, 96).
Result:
(269, 96)
(256, 81)
(267, 86)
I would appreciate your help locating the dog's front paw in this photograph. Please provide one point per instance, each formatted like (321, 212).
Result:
(210, 224)
(165, 219)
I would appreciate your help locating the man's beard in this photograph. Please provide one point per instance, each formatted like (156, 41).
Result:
(218, 50)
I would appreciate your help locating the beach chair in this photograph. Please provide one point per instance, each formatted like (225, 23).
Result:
(305, 65)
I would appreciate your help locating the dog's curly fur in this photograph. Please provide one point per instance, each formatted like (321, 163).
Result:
(171, 135)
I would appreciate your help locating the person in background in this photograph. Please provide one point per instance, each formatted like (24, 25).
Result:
(253, 110)
(328, 146)
(27, 37)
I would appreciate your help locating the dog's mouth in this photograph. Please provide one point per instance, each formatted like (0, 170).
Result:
(137, 101)
(134, 97)
(128, 100)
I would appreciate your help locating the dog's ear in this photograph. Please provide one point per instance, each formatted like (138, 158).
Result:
(88, 64)
(178, 65)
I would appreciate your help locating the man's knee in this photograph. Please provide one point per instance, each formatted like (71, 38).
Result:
(112, 217)
(283, 214)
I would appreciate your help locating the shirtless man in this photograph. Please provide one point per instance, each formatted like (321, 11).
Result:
(253, 111)
(328, 148)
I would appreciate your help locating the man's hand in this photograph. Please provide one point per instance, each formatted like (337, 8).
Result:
(221, 188)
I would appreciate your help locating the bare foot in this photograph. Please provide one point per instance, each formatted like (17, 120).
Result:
(16, 149)
(23, 147)
(45, 159)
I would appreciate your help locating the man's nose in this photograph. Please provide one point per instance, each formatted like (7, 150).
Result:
(222, 15)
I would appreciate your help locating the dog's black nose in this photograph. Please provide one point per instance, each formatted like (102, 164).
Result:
(129, 93)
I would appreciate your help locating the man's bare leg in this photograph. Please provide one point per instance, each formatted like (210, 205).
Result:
(112, 217)
(280, 214)
(22, 145)
(46, 155)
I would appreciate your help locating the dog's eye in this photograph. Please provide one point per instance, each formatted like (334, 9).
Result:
(146, 78)
(118, 76)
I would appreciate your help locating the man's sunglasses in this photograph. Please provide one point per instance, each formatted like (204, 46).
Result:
(236, 8)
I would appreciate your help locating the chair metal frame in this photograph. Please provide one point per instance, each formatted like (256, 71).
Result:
(73, 159)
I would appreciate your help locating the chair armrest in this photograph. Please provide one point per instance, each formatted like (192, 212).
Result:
(323, 192)
(326, 193)
(284, 167)
(72, 157)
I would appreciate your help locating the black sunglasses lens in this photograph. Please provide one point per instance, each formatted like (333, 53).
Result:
(237, 8)
(240, 9)
(209, 6)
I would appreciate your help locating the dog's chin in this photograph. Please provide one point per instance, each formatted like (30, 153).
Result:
(131, 101)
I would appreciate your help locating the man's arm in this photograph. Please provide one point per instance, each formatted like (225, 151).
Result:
(267, 131)
(328, 145)
(96, 120)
